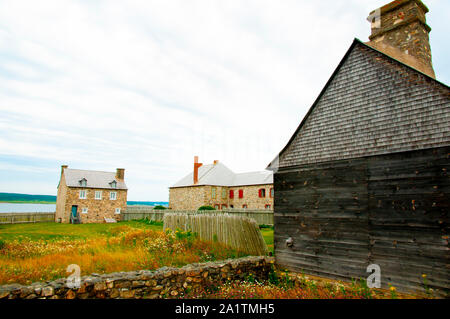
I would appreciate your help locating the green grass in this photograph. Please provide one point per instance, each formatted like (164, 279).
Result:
(51, 231)
(268, 238)
(54, 231)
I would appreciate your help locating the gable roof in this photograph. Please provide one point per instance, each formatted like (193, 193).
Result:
(95, 179)
(371, 105)
(220, 175)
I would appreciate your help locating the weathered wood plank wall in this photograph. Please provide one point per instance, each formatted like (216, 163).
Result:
(390, 210)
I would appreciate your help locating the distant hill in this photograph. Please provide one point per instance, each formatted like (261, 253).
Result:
(46, 199)
(26, 198)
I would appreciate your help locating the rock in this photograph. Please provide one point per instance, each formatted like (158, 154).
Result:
(114, 293)
(138, 283)
(26, 291)
(157, 288)
(100, 286)
(4, 294)
(109, 283)
(127, 294)
(225, 269)
(152, 296)
(47, 291)
(122, 283)
(70, 294)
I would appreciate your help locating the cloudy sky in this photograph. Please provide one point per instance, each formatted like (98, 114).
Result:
(146, 85)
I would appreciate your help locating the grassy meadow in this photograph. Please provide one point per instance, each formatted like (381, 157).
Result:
(42, 251)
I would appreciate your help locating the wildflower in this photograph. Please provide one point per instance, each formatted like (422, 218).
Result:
(424, 276)
(392, 288)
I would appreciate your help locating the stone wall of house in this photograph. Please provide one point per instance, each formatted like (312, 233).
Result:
(61, 200)
(188, 198)
(162, 283)
(192, 197)
(98, 209)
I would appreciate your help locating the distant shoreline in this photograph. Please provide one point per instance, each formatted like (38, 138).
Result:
(26, 202)
(131, 203)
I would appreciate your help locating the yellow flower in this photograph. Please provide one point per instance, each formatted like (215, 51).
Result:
(392, 288)
(424, 276)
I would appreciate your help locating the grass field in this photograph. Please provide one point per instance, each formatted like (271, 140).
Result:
(42, 251)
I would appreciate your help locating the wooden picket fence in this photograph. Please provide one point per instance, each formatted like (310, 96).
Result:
(241, 233)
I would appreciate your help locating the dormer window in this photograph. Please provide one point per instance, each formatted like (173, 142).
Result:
(113, 184)
(83, 182)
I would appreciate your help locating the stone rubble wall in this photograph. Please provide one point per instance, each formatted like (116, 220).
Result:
(166, 282)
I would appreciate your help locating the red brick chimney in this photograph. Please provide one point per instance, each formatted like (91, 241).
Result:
(120, 174)
(400, 30)
(216, 162)
(196, 166)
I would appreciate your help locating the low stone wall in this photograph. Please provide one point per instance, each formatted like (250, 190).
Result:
(20, 218)
(163, 283)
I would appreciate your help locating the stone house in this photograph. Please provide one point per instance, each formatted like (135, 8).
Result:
(364, 178)
(217, 186)
(90, 196)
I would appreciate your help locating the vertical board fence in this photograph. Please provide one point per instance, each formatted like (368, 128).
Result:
(240, 233)
(21, 218)
(262, 217)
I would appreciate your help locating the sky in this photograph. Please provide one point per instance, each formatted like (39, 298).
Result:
(147, 85)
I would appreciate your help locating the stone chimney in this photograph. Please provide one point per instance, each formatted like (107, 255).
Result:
(63, 167)
(120, 174)
(216, 162)
(400, 30)
(196, 166)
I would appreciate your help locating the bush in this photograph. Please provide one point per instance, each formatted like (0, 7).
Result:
(159, 207)
(150, 222)
(2, 244)
(206, 208)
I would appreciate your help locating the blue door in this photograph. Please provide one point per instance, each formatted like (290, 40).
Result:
(74, 212)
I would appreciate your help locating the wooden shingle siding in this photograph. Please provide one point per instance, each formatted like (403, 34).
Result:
(390, 210)
(373, 105)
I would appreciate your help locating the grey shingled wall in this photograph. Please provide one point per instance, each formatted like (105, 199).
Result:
(374, 105)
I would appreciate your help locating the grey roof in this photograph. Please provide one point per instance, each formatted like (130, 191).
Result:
(372, 105)
(95, 179)
(220, 175)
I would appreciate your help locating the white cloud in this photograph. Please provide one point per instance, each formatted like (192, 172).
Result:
(149, 84)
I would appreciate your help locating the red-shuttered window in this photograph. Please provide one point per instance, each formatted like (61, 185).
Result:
(231, 193)
(241, 193)
(262, 192)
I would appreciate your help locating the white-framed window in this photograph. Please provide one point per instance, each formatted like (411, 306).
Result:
(84, 210)
(113, 184)
(117, 211)
(83, 182)
(112, 195)
(83, 194)
(98, 194)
